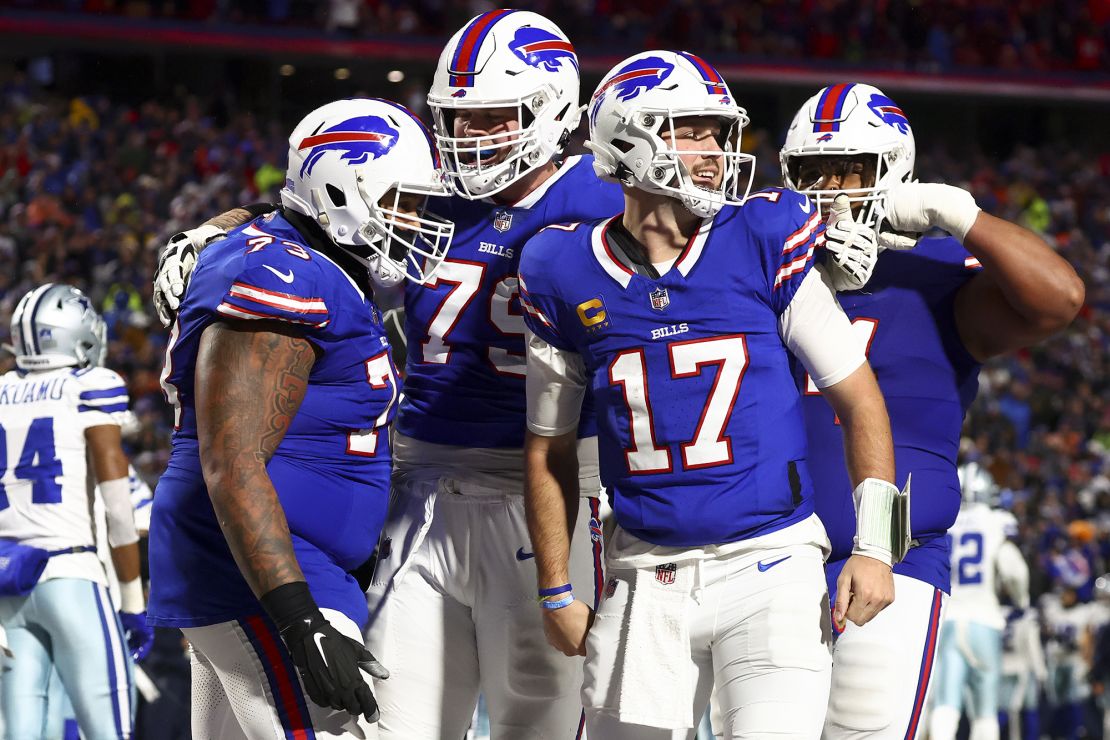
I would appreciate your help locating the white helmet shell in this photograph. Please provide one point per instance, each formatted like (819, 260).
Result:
(849, 120)
(639, 100)
(344, 157)
(56, 326)
(977, 484)
(504, 59)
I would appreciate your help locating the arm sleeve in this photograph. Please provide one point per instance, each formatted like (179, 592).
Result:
(280, 288)
(817, 331)
(791, 246)
(556, 384)
(539, 315)
(102, 398)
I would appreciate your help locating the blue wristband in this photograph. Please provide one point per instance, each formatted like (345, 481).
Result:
(565, 601)
(564, 589)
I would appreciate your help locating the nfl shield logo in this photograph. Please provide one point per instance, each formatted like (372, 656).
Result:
(502, 221)
(610, 588)
(659, 298)
(665, 573)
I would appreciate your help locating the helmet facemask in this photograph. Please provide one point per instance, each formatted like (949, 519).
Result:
(480, 166)
(651, 131)
(405, 242)
(878, 172)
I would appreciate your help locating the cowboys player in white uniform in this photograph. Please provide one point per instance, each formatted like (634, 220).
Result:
(60, 416)
(984, 560)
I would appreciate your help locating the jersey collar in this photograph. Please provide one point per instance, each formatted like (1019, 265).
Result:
(537, 195)
(617, 265)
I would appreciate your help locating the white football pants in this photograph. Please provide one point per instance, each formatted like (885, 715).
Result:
(757, 624)
(882, 670)
(245, 686)
(453, 613)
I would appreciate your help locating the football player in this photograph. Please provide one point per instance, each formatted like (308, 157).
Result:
(969, 655)
(60, 417)
(283, 388)
(453, 609)
(1023, 673)
(927, 318)
(681, 315)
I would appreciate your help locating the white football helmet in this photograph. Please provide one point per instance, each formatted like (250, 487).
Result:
(639, 100)
(850, 120)
(56, 326)
(977, 484)
(504, 59)
(344, 157)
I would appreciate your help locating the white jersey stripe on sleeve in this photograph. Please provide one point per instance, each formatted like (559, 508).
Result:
(274, 299)
(800, 236)
(241, 313)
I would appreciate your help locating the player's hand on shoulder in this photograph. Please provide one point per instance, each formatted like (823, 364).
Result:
(566, 628)
(176, 265)
(915, 207)
(865, 587)
(851, 247)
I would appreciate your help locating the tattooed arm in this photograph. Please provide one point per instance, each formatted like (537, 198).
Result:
(250, 381)
(228, 220)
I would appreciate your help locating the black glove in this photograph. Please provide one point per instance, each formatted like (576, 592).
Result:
(328, 661)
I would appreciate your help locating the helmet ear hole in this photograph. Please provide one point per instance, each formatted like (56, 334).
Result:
(623, 145)
(337, 196)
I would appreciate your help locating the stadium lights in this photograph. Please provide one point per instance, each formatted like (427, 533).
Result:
(395, 75)
(287, 70)
(342, 73)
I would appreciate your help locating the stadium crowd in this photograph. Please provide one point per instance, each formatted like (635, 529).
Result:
(90, 190)
(1031, 35)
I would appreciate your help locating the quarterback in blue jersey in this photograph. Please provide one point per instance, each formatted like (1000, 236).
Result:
(928, 318)
(681, 315)
(284, 389)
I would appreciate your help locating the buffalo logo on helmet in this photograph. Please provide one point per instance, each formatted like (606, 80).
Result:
(632, 79)
(358, 139)
(637, 77)
(824, 137)
(542, 49)
(889, 113)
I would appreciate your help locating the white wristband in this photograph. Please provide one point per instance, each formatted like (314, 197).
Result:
(874, 501)
(955, 211)
(131, 599)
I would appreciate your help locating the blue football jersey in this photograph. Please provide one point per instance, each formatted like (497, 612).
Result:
(905, 315)
(331, 471)
(464, 381)
(699, 418)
